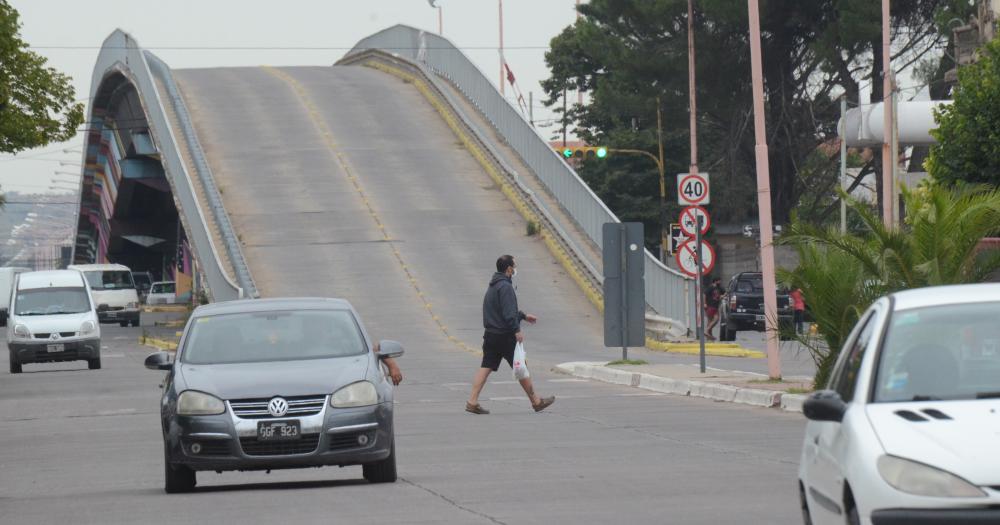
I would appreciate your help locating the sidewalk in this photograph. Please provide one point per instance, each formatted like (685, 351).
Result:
(686, 380)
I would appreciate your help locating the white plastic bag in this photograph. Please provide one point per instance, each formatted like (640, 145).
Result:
(520, 366)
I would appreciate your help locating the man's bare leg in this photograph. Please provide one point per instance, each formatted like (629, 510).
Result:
(530, 390)
(477, 385)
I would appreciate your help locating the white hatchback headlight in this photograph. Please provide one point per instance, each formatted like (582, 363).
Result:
(357, 394)
(194, 403)
(132, 306)
(87, 328)
(21, 332)
(923, 480)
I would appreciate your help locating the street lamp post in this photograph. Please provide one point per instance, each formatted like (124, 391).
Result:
(888, 163)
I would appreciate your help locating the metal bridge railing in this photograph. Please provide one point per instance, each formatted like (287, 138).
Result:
(667, 291)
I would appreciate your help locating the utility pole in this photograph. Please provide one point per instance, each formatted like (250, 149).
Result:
(843, 162)
(888, 163)
(693, 109)
(500, 2)
(440, 22)
(664, 246)
(579, 94)
(764, 198)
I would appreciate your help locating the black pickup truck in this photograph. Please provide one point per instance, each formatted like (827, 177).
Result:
(742, 306)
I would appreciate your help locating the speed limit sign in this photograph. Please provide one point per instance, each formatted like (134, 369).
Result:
(692, 189)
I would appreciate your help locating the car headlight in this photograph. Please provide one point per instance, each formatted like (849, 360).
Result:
(132, 306)
(357, 394)
(21, 332)
(87, 328)
(194, 403)
(923, 480)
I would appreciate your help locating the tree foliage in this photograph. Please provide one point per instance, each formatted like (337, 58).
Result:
(842, 274)
(626, 53)
(968, 132)
(36, 102)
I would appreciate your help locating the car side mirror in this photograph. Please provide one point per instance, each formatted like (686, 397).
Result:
(388, 348)
(825, 405)
(159, 361)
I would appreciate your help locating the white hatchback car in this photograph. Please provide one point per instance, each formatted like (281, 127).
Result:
(909, 428)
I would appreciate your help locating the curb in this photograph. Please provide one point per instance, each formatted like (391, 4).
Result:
(713, 349)
(684, 387)
(161, 344)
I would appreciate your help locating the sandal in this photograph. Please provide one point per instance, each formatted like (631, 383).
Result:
(475, 409)
(543, 403)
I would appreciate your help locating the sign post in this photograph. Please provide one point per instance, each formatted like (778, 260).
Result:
(701, 297)
(624, 285)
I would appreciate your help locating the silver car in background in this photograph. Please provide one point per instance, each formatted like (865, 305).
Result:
(275, 384)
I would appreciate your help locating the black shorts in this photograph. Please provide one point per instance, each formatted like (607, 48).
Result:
(496, 348)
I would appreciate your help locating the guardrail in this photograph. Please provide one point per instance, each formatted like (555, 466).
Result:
(201, 166)
(122, 54)
(668, 292)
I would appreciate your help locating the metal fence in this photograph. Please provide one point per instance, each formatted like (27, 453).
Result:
(667, 291)
(121, 53)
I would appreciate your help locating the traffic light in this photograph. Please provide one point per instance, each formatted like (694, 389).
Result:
(581, 152)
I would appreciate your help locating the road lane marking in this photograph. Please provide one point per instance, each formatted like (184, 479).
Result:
(316, 117)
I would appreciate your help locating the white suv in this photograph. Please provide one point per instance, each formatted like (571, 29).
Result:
(52, 318)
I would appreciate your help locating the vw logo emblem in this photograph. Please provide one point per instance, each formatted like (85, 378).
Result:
(54, 336)
(277, 407)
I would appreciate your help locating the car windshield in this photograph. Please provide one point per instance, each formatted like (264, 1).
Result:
(272, 336)
(109, 280)
(941, 352)
(52, 301)
(162, 288)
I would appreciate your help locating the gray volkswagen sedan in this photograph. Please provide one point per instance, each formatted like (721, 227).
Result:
(275, 384)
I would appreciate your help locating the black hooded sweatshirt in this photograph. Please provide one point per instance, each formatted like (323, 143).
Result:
(500, 313)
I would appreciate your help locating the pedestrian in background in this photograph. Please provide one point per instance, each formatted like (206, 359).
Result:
(502, 324)
(713, 298)
(799, 307)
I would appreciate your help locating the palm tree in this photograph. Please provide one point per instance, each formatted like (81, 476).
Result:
(842, 274)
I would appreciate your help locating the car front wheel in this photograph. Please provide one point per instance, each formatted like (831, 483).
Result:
(177, 478)
(15, 366)
(382, 471)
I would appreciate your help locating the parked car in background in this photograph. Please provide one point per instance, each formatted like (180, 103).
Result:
(7, 275)
(742, 306)
(906, 430)
(275, 384)
(162, 292)
(52, 318)
(113, 291)
(143, 282)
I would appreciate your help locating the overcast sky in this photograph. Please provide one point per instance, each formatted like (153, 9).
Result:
(69, 33)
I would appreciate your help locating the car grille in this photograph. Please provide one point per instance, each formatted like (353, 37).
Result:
(349, 440)
(253, 447)
(297, 407)
(61, 334)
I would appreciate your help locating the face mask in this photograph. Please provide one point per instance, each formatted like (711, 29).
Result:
(514, 273)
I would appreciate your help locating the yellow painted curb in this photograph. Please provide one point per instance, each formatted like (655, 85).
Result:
(713, 349)
(179, 308)
(162, 344)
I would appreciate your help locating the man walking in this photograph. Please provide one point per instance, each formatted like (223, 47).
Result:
(502, 321)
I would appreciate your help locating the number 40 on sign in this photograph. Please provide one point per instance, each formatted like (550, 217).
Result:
(692, 190)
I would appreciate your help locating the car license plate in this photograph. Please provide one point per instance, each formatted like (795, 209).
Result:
(55, 348)
(279, 430)
(759, 317)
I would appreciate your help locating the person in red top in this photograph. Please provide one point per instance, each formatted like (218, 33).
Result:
(799, 305)
(713, 297)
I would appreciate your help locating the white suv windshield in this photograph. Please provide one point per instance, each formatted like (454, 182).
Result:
(109, 280)
(941, 352)
(51, 301)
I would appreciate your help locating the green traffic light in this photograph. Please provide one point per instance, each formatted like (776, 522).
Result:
(568, 153)
(602, 152)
